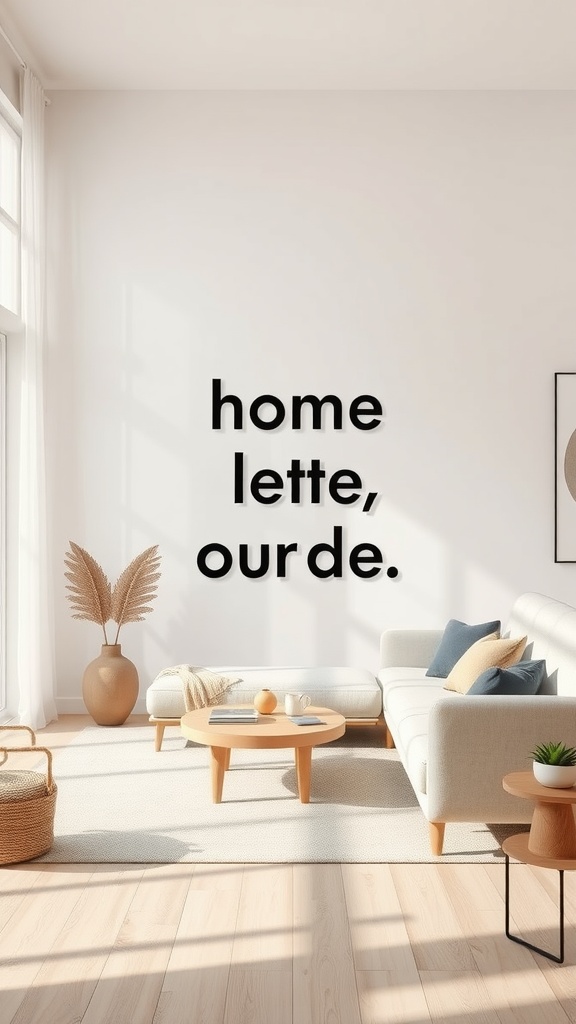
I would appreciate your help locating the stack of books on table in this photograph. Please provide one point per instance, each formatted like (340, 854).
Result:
(219, 715)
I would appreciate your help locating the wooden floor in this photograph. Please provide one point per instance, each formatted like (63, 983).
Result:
(279, 944)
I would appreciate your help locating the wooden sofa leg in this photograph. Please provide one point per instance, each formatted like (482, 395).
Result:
(159, 735)
(389, 740)
(159, 726)
(436, 832)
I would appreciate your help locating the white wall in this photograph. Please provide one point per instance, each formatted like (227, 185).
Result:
(418, 247)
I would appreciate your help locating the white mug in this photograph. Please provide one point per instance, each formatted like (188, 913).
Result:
(296, 703)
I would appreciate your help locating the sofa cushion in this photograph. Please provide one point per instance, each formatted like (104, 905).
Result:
(353, 692)
(551, 628)
(456, 639)
(482, 655)
(525, 677)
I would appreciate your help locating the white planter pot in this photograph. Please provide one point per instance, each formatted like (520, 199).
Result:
(554, 776)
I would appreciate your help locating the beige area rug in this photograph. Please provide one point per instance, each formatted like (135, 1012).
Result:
(120, 801)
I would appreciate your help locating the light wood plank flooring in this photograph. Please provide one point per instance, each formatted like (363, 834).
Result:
(278, 944)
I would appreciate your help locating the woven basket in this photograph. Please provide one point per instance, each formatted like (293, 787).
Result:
(27, 806)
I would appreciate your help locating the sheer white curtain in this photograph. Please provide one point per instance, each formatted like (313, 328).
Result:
(35, 664)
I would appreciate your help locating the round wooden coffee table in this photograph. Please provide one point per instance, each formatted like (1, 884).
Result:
(269, 732)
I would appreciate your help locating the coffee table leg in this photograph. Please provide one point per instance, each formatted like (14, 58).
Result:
(219, 761)
(303, 770)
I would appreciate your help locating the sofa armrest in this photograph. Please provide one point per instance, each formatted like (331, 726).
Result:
(410, 647)
(474, 741)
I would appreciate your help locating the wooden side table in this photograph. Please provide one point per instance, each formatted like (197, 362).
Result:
(551, 842)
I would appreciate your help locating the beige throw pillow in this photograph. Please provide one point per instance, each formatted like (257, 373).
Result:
(486, 653)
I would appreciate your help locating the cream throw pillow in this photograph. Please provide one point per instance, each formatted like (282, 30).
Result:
(488, 652)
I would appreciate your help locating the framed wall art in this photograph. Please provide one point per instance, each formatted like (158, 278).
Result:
(565, 467)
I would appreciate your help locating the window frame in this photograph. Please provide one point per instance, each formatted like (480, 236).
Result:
(10, 325)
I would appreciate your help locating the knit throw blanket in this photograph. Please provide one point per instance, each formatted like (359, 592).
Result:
(200, 686)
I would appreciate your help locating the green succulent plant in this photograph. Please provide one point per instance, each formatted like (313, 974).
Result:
(555, 753)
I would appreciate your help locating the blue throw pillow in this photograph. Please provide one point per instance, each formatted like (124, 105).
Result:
(524, 677)
(456, 640)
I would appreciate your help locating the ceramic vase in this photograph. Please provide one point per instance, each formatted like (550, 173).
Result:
(555, 776)
(110, 686)
(265, 702)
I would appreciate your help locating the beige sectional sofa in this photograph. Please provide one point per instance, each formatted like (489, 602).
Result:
(455, 748)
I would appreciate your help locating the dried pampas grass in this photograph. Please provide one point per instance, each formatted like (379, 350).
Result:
(93, 598)
(134, 588)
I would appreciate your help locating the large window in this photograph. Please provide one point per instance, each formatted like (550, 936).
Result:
(3, 693)
(10, 291)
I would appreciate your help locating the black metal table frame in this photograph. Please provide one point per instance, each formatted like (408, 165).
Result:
(523, 942)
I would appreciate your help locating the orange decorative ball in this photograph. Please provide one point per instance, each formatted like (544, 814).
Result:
(265, 701)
